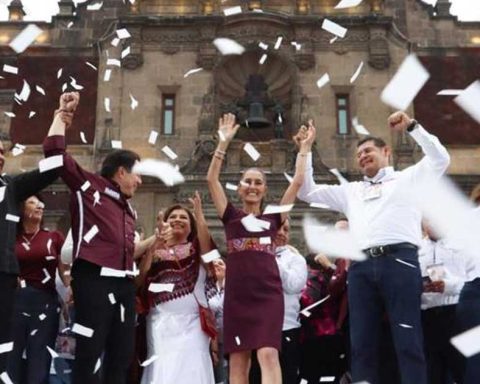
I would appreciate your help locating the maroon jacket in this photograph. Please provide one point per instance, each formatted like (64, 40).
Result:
(113, 245)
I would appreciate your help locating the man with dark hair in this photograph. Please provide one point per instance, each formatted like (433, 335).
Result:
(387, 225)
(13, 190)
(103, 231)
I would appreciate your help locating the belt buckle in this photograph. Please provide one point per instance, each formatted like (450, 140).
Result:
(376, 251)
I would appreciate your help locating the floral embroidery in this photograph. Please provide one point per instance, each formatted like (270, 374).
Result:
(249, 244)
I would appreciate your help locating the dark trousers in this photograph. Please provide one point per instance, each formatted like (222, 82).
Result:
(289, 359)
(32, 334)
(386, 283)
(8, 285)
(438, 329)
(323, 356)
(468, 316)
(112, 338)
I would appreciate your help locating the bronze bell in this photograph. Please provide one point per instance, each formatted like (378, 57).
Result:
(255, 99)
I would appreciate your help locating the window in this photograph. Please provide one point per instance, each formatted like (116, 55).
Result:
(343, 115)
(168, 114)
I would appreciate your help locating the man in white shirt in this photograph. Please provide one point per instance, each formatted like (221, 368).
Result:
(444, 272)
(387, 226)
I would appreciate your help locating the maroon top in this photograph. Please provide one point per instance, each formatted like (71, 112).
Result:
(113, 245)
(327, 317)
(38, 257)
(253, 304)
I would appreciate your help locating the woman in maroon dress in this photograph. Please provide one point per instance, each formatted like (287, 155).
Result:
(253, 307)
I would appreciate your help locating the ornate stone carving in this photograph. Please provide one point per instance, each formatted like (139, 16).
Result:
(379, 54)
(132, 61)
(304, 61)
(207, 119)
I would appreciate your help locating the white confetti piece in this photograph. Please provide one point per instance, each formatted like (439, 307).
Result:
(95, 7)
(252, 224)
(232, 10)
(288, 177)
(271, 209)
(347, 4)
(306, 311)
(107, 75)
(405, 84)
(90, 234)
(468, 343)
(83, 138)
(228, 46)
(31, 114)
(231, 187)
(325, 79)
(25, 92)
(403, 325)
(47, 276)
(278, 43)
(26, 246)
(25, 38)
(327, 379)
(91, 65)
(405, 263)
(40, 90)
(82, 330)
(50, 258)
(237, 340)
(152, 139)
(50, 163)
(85, 186)
(52, 352)
(9, 114)
(10, 69)
(449, 92)
(6, 379)
(18, 149)
(96, 197)
(23, 284)
(303, 381)
(111, 298)
(6, 347)
(319, 205)
(42, 316)
(357, 73)
(333, 39)
(133, 102)
(263, 45)
(326, 239)
(169, 152)
(10, 217)
(192, 71)
(34, 332)
(149, 361)
(125, 52)
(265, 240)
(123, 33)
(110, 272)
(70, 25)
(114, 62)
(210, 256)
(106, 103)
(2, 193)
(251, 151)
(59, 73)
(334, 28)
(115, 42)
(74, 84)
(468, 100)
(263, 59)
(159, 287)
(159, 169)
(98, 364)
(359, 128)
(122, 313)
(297, 46)
(64, 87)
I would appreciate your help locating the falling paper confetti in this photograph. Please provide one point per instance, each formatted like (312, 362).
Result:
(25, 38)
(228, 46)
(252, 224)
(82, 330)
(334, 28)
(263, 59)
(152, 139)
(10, 69)
(159, 287)
(210, 256)
(107, 75)
(6, 347)
(125, 52)
(325, 79)
(111, 298)
(149, 361)
(2, 193)
(168, 151)
(405, 84)
(333, 39)
(110, 272)
(231, 187)
(107, 104)
(133, 102)
(306, 311)
(263, 46)
(114, 62)
(6, 379)
(90, 234)
(49, 163)
(251, 151)
(347, 4)
(25, 92)
(94, 7)
(468, 100)
(278, 43)
(192, 71)
(91, 66)
(123, 34)
(450, 92)
(359, 128)
(40, 90)
(9, 114)
(159, 169)
(83, 138)
(31, 114)
(116, 144)
(59, 73)
(232, 11)
(74, 84)
(115, 42)
(357, 72)
(468, 343)
(272, 209)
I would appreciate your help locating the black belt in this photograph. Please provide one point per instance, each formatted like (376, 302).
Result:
(383, 250)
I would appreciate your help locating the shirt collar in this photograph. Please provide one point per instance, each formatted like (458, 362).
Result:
(383, 173)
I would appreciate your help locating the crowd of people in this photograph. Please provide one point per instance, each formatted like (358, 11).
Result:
(170, 309)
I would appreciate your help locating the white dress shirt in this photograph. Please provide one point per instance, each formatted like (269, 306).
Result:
(454, 264)
(293, 273)
(392, 217)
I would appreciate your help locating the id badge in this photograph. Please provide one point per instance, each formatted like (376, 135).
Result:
(436, 272)
(372, 192)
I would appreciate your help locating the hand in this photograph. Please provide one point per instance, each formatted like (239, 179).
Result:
(305, 137)
(227, 127)
(214, 351)
(437, 286)
(69, 296)
(196, 202)
(166, 235)
(69, 101)
(300, 136)
(219, 269)
(399, 121)
(323, 260)
(66, 117)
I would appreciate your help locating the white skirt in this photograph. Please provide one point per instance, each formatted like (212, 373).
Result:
(174, 334)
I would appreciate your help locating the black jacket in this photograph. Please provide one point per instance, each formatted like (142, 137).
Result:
(17, 189)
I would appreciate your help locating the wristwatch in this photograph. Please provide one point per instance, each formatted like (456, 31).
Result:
(412, 125)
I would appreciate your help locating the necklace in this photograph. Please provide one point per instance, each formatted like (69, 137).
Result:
(29, 241)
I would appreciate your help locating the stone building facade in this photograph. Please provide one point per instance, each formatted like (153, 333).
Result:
(171, 37)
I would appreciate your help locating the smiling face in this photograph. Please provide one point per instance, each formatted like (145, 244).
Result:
(33, 209)
(179, 221)
(252, 187)
(283, 234)
(128, 181)
(371, 159)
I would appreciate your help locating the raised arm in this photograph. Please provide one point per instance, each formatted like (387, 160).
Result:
(63, 115)
(203, 234)
(227, 128)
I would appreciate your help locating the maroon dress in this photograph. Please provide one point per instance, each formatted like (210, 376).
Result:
(253, 305)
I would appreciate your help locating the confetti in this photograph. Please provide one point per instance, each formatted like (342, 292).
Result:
(122, 313)
(25, 92)
(110, 272)
(159, 169)
(347, 4)
(468, 343)
(263, 59)
(6, 379)
(159, 287)
(115, 42)
(123, 34)
(325, 79)
(90, 234)
(152, 139)
(405, 84)
(449, 92)
(82, 330)
(192, 71)
(70, 25)
(334, 28)
(91, 65)
(6, 347)
(333, 39)
(265, 240)
(96, 196)
(228, 46)
(98, 364)
(468, 100)
(251, 151)
(40, 90)
(168, 151)
(327, 379)
(52, 352)
(94, 7)
(47, 276)
(9, 114)
(232, 11)
(338, 175)
(133, 102)
(231, 187)
(14, 218)
(31, 114)
(59, 73)
(2, 193)
(85, 186)
(263, 46)
(360, 129)
(272, 209)
(107, 75)
(405, 325)
(288, 177)
(306, 311)
(106, 103)
(74, 84)
(357, 72)
(297, 46)
(278, 43)
(149, 361)
(83, 138)
(319, 205)
(10, 69)
(25, 38)
(237, 340)
(252, 224)
(125, 52)
(114, 62)
(49, 163)
(42, 316)
(405, 263)
(210, 256)
(111, 298)
(26, 246)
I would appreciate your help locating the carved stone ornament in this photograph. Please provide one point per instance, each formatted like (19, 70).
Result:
(132, 61)
(304, 61)
(379, 55)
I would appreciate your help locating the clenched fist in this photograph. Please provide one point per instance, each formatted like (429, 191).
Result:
(399, 121)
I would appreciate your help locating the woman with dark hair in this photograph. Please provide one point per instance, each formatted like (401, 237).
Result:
(253, 306)
(36, 315)
(175, 290)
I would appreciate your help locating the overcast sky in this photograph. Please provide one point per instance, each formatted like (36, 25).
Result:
(467, 10)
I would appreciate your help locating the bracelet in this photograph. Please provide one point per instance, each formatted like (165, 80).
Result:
(221, 152)
(218, 156)
(302, 154)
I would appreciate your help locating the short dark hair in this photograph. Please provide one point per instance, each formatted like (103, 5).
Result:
(193, 222)
(119, 158)
(377, 141)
